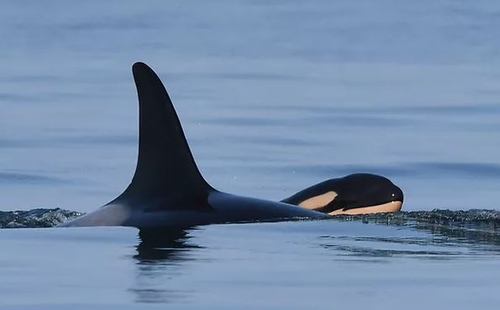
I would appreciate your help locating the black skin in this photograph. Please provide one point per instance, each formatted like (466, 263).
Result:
(353, 191)
(168, 191)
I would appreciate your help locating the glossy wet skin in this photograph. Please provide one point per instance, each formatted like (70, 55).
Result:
(359, 193)
(167, 189)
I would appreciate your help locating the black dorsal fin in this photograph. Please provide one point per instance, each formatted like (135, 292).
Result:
(166, 170)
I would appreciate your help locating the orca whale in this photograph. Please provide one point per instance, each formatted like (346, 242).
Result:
(168, 191)
(358, 193)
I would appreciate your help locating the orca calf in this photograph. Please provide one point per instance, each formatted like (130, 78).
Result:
(167, 190)
(358, 193)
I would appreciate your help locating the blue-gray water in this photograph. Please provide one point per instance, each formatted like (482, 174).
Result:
(273, 96)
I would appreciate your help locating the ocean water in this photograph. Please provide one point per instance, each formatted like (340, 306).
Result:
(273, 96)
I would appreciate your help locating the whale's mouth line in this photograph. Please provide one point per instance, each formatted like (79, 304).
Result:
(392, 206)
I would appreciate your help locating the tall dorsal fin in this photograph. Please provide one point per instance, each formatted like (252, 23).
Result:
(166, 169)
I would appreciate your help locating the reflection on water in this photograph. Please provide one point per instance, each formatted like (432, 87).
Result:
(167, 261)
(160, 257)
(164, 246)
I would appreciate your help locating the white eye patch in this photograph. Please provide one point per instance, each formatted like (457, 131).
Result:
(319, 201)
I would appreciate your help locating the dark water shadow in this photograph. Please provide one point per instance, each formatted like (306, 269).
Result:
(160, 259)
(164, 246)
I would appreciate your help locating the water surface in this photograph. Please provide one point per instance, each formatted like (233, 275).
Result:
(273, 97)
(295, 265)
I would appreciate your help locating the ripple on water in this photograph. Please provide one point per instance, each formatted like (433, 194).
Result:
(26, 178)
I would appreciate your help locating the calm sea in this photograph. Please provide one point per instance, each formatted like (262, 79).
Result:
(274, 96)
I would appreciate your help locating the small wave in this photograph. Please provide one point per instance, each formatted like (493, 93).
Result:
(475, 226)
(474, 219)
(36, 218)
(18, 177)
